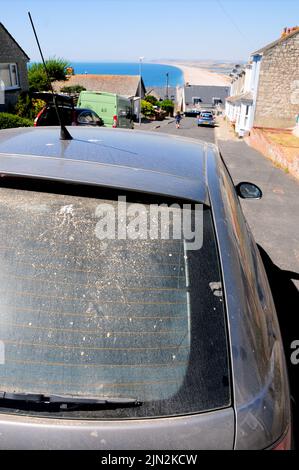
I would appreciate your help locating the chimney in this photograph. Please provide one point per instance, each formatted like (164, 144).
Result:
(286, 31)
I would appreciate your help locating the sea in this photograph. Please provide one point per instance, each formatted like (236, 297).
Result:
(153, 75)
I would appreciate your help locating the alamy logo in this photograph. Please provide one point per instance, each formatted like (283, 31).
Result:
(125, 221)
(295, 353)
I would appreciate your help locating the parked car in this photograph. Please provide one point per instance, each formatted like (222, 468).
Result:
(116, 110)
(112, 341)
(191, 112)
(69, 114)
(70, 117)
(206, 118)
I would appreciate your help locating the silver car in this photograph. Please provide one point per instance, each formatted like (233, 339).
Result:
(112, 337)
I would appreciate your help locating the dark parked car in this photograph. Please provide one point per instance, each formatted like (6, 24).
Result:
(69, 116)
(115, 341)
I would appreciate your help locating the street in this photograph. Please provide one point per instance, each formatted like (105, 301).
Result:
(188, 128)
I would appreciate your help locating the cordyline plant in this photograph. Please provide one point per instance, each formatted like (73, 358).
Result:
(57, 70)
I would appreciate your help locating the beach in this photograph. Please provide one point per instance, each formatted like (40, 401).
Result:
(154, 73)
(196, 75)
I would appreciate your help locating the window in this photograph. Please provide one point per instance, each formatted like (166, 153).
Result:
(133, 318)
(85, 118)
(196, 100)
(206, 115)
(49, 116)
(217, 101)
(95, 118)
(9, 75)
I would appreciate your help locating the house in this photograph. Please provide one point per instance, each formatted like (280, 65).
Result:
(277, 101)
(192, 98)
(163, 93)
(239, 108)
(267, 94)
(13, 70)
(130, 86)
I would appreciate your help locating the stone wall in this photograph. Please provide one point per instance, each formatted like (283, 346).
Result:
(11, 53)
(278, 91)
(284, 157)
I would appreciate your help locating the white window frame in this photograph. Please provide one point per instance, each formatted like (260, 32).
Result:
(10, 67)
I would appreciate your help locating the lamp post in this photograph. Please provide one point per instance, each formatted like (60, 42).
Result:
(140, 78)
(167, 75)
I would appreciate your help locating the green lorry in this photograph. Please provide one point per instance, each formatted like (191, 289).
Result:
(115, 110)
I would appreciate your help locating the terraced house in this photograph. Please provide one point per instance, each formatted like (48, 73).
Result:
(265, 92)
(13, 69)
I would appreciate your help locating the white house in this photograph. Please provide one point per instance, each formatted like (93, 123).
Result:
(240, 105)
(265, 92)
(190, 99)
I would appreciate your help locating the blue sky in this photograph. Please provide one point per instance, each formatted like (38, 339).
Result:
(100, 30)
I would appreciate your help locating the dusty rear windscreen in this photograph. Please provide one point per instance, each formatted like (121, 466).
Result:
(80, 315)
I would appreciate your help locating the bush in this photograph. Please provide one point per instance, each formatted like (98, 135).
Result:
(151, 99)
(147, 108)
(8, 121)
(37, 78)
(168, 106)
(36, 106)
(23, 106)
(72, 89)
(57, 70)
(28, 107)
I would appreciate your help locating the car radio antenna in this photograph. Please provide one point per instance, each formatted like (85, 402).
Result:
(64, 133)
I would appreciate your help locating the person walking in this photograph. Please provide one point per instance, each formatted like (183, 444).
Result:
(178, 118)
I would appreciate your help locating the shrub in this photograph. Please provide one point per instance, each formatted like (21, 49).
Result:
(28, 107)
(147, 108)
(23, 106)
(37, 78)
(72, 89)
(57, 70)
(11, 120)
(168, 106)
(151, 99)
(36, 106)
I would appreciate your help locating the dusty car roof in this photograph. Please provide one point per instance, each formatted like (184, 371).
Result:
(133, 160)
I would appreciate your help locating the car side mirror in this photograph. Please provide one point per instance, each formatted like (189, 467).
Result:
(247, 190)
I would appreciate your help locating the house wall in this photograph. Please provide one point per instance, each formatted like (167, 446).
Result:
(253, 82)
(278, 91)
(236, 111)
(180, 99)
(237, 86)
(11, 53)
(206, 93)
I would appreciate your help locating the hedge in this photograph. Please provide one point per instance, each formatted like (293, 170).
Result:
(11, 120)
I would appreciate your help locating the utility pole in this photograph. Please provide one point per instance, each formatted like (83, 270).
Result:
(167, 74)
(140, 89)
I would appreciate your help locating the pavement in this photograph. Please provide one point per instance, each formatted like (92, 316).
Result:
(274, 220)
